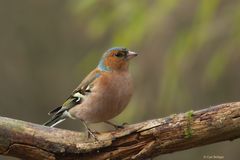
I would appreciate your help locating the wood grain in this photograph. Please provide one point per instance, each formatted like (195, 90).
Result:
(138, 141)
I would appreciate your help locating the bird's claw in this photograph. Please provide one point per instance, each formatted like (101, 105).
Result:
(122, 126)
(92, 134)
(116, 126)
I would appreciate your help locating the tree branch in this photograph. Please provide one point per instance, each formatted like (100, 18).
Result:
(138, 141)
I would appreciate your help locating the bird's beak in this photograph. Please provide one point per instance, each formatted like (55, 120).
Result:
(131, 54)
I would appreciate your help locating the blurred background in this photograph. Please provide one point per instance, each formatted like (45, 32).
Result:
(189, 57)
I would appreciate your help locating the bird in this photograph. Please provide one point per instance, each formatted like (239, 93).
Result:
(102, 95)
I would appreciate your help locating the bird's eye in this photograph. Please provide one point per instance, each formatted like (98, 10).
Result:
(119, 54)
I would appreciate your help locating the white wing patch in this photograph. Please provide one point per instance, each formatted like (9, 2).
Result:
(78, 96)
(88, 88)
(67, 114)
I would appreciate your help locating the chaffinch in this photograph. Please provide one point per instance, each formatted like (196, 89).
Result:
(102, 95)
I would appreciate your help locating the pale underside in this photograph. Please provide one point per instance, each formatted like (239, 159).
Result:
(107, 98)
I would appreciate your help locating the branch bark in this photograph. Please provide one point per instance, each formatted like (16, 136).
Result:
(138, 141)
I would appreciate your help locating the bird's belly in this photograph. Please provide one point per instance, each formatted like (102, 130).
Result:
(100, 107)
(104, 108)
(108, 99)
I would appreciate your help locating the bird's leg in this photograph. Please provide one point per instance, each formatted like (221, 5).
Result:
(90, 132)
(115, 125)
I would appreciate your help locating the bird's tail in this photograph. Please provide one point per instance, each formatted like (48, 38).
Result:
(54, 121)
(57, 118)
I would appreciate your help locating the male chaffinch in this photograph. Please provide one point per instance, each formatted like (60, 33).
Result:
(102, 95)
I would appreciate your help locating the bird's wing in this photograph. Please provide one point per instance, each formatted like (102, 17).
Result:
(87, 82)
(79, 93)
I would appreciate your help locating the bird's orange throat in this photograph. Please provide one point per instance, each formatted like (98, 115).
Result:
(116, 64)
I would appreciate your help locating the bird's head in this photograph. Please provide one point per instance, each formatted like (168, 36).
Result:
(116, 59)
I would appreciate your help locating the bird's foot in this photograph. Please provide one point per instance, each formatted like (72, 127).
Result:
(116, 126)
(92, 134)
(122, 126)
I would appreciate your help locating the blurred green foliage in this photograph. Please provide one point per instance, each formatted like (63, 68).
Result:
(189, 56)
